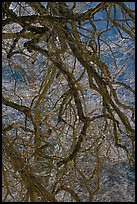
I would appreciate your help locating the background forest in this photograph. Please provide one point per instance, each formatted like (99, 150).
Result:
(68, 106)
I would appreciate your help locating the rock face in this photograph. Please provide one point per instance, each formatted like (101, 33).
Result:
(117, 184)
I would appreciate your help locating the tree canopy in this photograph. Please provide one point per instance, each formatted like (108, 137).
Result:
(67, 97)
